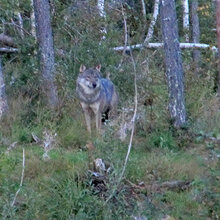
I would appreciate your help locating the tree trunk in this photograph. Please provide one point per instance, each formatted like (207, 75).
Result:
(173, 62)
(3, 97)
(101, 9)
(33, 26)
(185, 5)
(20, 20)
(153, 22)
(143, 9)
(218, 38)
(46, 49)
(195, 32)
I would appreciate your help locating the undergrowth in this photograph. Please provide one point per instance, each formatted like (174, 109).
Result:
(63, 188)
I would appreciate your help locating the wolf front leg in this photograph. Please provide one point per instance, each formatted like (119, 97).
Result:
(98, 121)
(96, 109)
(87, 115)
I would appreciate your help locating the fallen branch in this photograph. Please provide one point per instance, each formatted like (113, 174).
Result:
(7, 40)
(168, 185)
(176, 184)
(159, 45)
(9, 50)
(21, 182)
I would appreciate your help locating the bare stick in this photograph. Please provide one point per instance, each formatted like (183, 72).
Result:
(132, 130)
(133, 118)
(22, 178)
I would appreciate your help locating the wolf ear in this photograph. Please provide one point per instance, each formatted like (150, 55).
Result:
(99, 67)
(82, 68)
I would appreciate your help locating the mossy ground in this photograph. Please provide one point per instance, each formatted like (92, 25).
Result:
(60, 188)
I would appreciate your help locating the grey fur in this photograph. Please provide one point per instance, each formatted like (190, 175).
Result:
(96, 94)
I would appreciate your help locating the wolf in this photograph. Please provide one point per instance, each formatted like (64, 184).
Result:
(97, 95)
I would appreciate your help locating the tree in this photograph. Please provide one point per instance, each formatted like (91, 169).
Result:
(195, 32)
(185, 5)
(46, 49)
(101, 9)
(173, 62)
(218, 37)
(3, 98)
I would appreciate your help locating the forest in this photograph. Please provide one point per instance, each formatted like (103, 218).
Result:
(109, 109)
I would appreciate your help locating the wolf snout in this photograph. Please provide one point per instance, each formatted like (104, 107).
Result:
(94, 85)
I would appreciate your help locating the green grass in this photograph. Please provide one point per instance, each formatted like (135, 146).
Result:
(60, 188)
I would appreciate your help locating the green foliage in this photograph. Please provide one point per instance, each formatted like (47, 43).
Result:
(61, 187)
(162, 139)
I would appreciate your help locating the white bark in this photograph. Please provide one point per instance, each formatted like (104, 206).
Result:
(159, 45)
(8, 50)
(33, 26)
(3, 98)
(153, 22)
(185, 5)
(20, 22)
(101, 9)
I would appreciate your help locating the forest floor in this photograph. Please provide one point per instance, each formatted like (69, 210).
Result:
(162, 182)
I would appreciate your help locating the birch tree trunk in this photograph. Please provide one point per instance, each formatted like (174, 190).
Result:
(33, 26)
(3, 97)
(218, 39)
(46, 49)
(185, 5)
(195, 32)
(173, 62)
(143, 9)
(153, 22)
(101, 9)
(20, 21)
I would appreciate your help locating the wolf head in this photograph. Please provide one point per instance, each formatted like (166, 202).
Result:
(89, 79)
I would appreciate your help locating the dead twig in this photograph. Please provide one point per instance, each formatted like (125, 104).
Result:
(22, 178)
(12, 146)
(132, 130)
(168, 185)
(48, 143)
